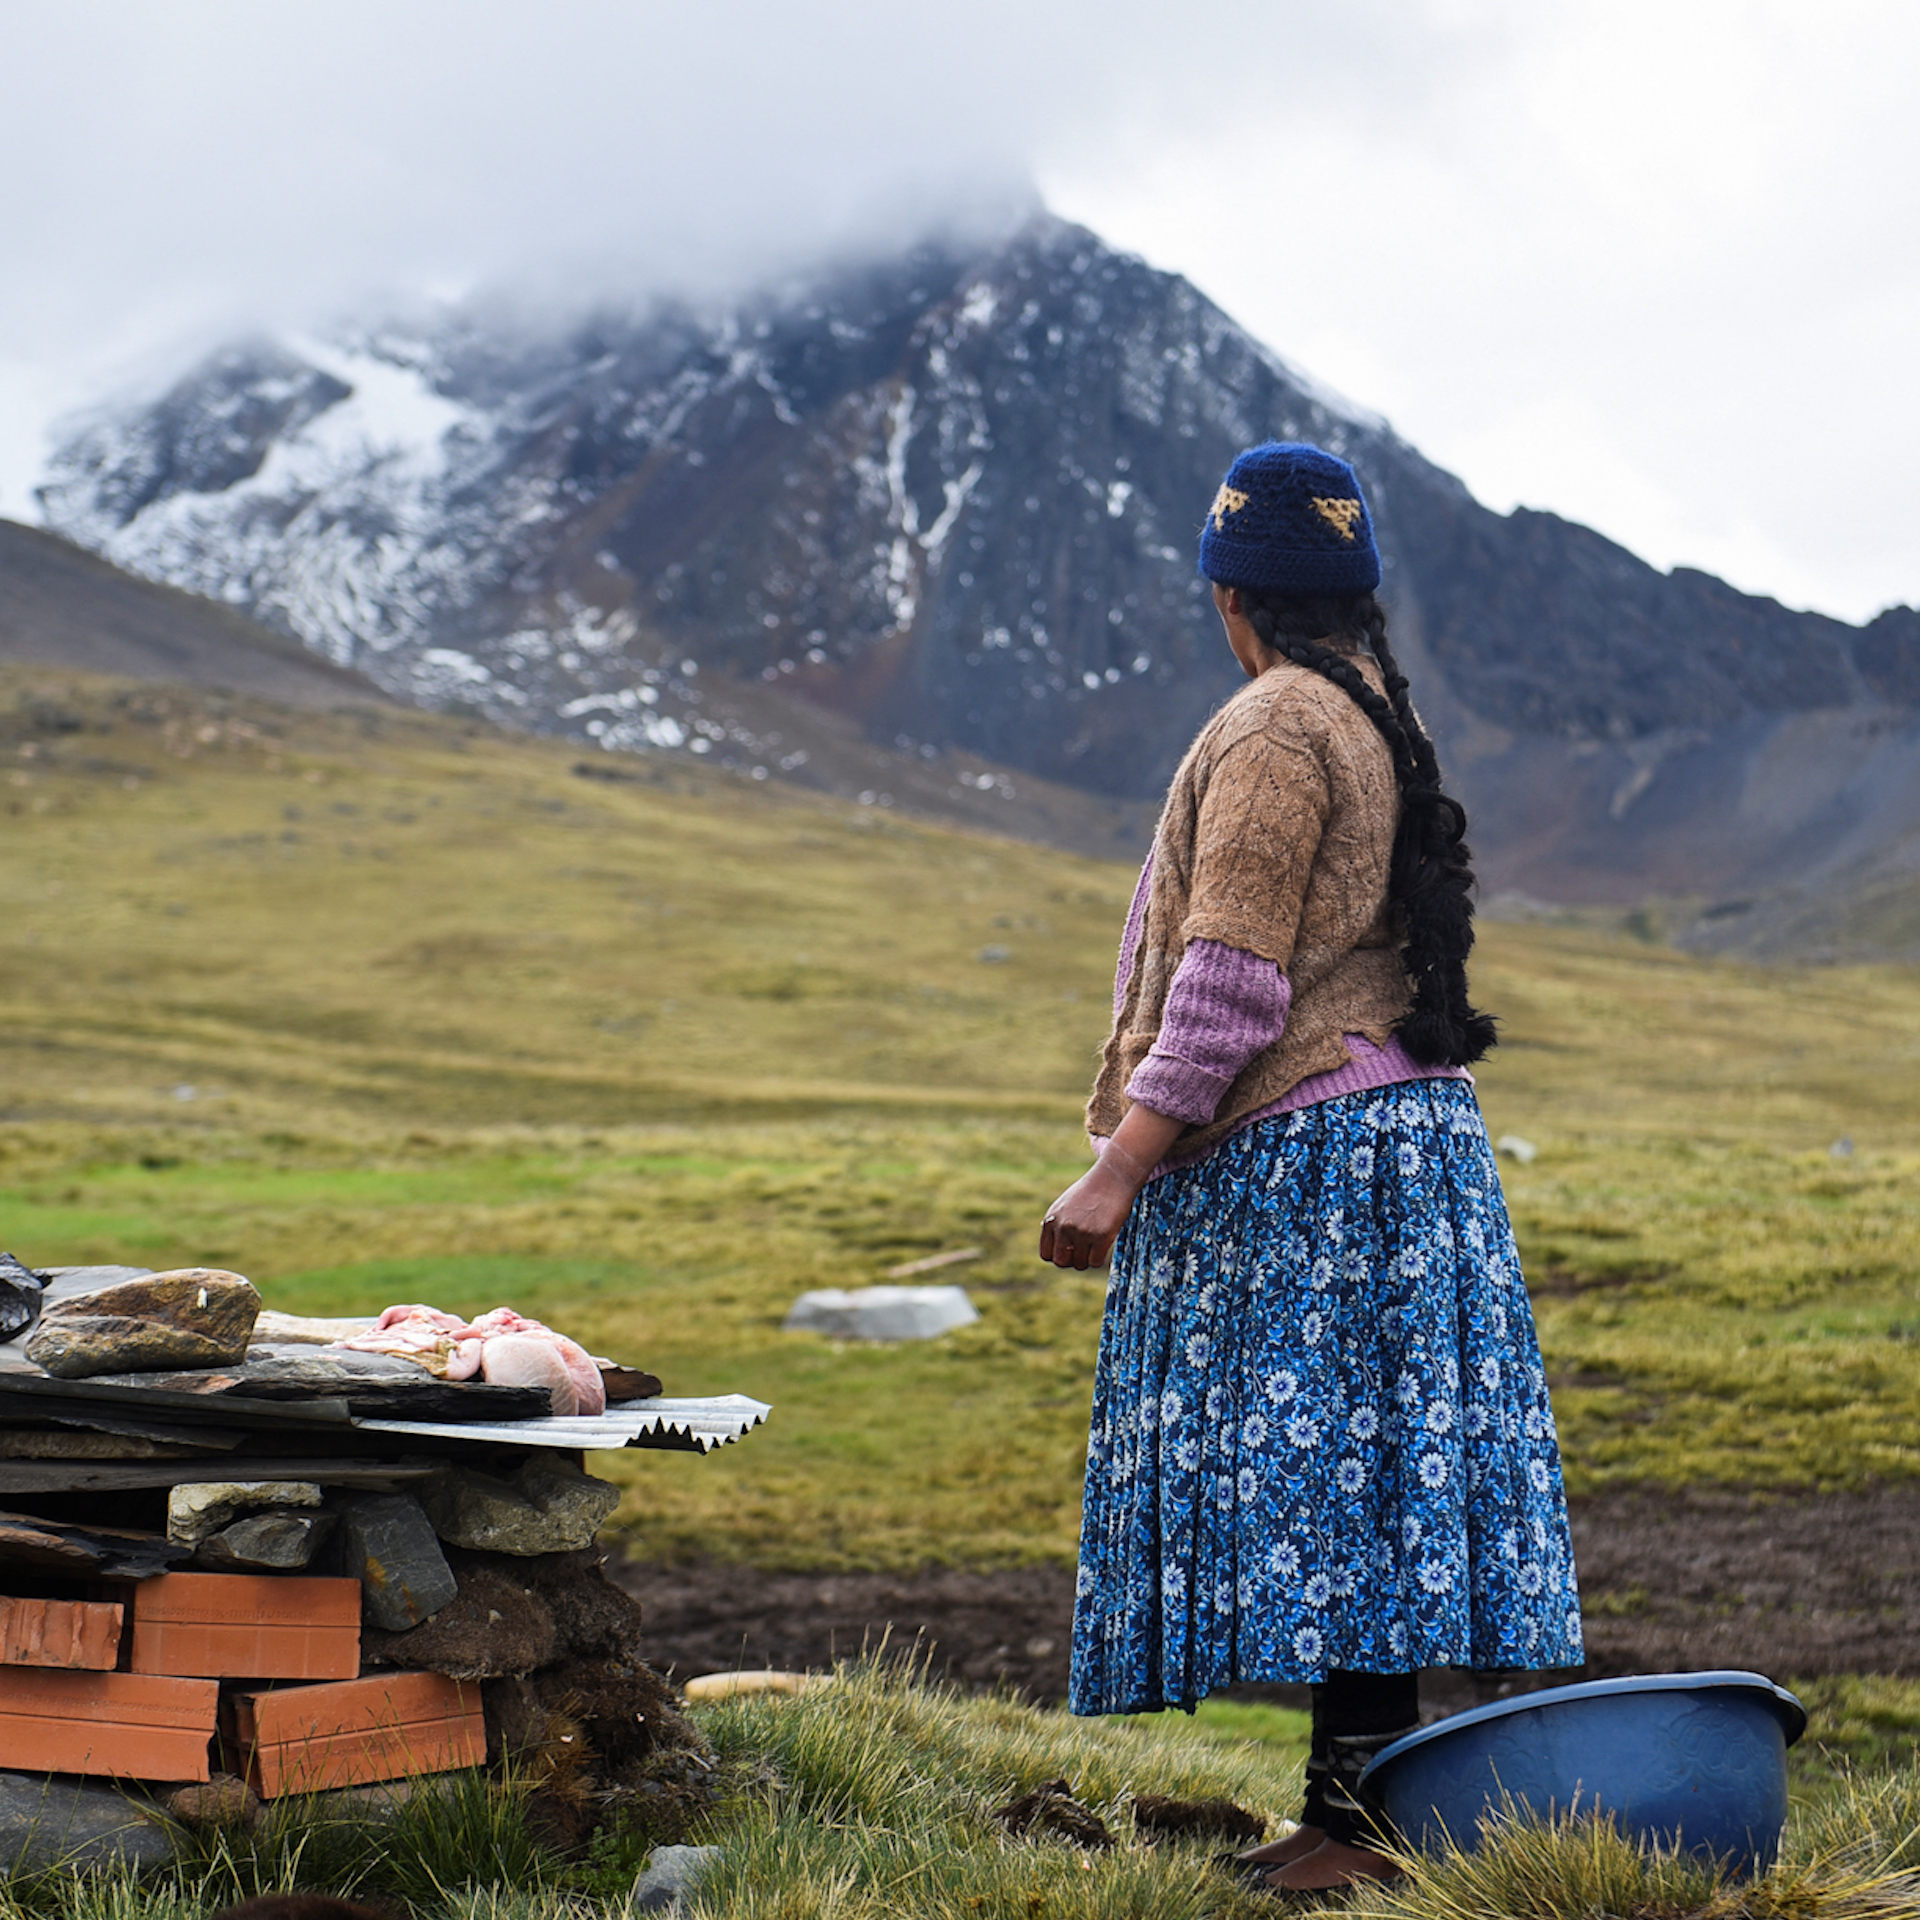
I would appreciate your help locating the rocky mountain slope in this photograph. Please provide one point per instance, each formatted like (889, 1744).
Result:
(60, 606)
(948, 502)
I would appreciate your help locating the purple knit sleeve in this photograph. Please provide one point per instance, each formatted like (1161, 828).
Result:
(1223, 1007)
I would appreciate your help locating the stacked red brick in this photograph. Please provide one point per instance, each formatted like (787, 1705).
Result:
(209, 1656)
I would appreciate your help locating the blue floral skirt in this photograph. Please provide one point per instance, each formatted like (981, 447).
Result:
(1321, 1434)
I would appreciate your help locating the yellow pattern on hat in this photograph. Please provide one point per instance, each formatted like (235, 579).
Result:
(1231, 500)
(1338, 514)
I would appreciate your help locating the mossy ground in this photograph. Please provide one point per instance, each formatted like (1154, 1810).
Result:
(387, 1007)
(653, 1056)
(873, 1796)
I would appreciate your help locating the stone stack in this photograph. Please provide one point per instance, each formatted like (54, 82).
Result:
(230, 1572)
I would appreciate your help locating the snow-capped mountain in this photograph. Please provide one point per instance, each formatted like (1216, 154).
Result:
(953, 497)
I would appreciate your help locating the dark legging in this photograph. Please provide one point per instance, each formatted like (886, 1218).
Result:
(1355, 1716)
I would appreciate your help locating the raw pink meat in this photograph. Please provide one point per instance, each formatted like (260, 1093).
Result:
(503, 1347)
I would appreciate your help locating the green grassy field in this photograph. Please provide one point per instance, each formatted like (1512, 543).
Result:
(385, 1007)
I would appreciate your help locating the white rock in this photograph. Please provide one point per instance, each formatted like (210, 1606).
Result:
(672, 1873)
(882, 1313)
(199, 1510)
(1517, 1149)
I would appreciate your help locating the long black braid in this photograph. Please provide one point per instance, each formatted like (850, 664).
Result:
(1430, 881)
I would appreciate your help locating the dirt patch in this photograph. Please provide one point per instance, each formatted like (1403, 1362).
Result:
(1671, 1582)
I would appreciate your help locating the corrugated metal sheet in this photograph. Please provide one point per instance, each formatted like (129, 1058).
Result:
(689, 1426)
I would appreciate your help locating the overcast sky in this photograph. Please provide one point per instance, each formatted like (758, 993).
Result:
(1654, 264)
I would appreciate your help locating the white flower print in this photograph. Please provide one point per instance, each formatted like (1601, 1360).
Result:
(1390, 1343)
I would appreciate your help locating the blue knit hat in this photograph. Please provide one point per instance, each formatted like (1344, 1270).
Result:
(1290, 519)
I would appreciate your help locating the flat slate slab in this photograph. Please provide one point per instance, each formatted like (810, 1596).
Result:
(49, 1821)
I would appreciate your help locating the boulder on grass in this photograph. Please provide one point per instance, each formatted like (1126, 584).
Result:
(882, 1313)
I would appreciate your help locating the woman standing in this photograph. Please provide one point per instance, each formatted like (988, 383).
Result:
(1322, 1450)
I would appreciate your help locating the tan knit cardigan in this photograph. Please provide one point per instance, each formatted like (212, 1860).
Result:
(1275, 839)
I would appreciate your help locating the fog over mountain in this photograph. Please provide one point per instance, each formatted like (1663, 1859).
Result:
(952, 498)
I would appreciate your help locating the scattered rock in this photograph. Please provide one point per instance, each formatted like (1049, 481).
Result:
(882, 1313)
(47, 1822)
(265, 1542)
(19, 1296)
(1516, 1148)
(198, 1511)
(1162, 1817)
(225, 1800)
(495, 1626)
(672, 1873)
(387, 1543)
(190, 1317)
(1053, 1809)
(547, 1507)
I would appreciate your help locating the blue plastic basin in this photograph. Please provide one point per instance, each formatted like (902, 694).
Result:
(1697, 1760)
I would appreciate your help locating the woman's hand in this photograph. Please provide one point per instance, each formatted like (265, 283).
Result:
(1082, 1225)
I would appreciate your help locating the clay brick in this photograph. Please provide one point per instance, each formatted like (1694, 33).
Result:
(247, 1626)
(134, 1726)
(60, 1633)
(301, 1739)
